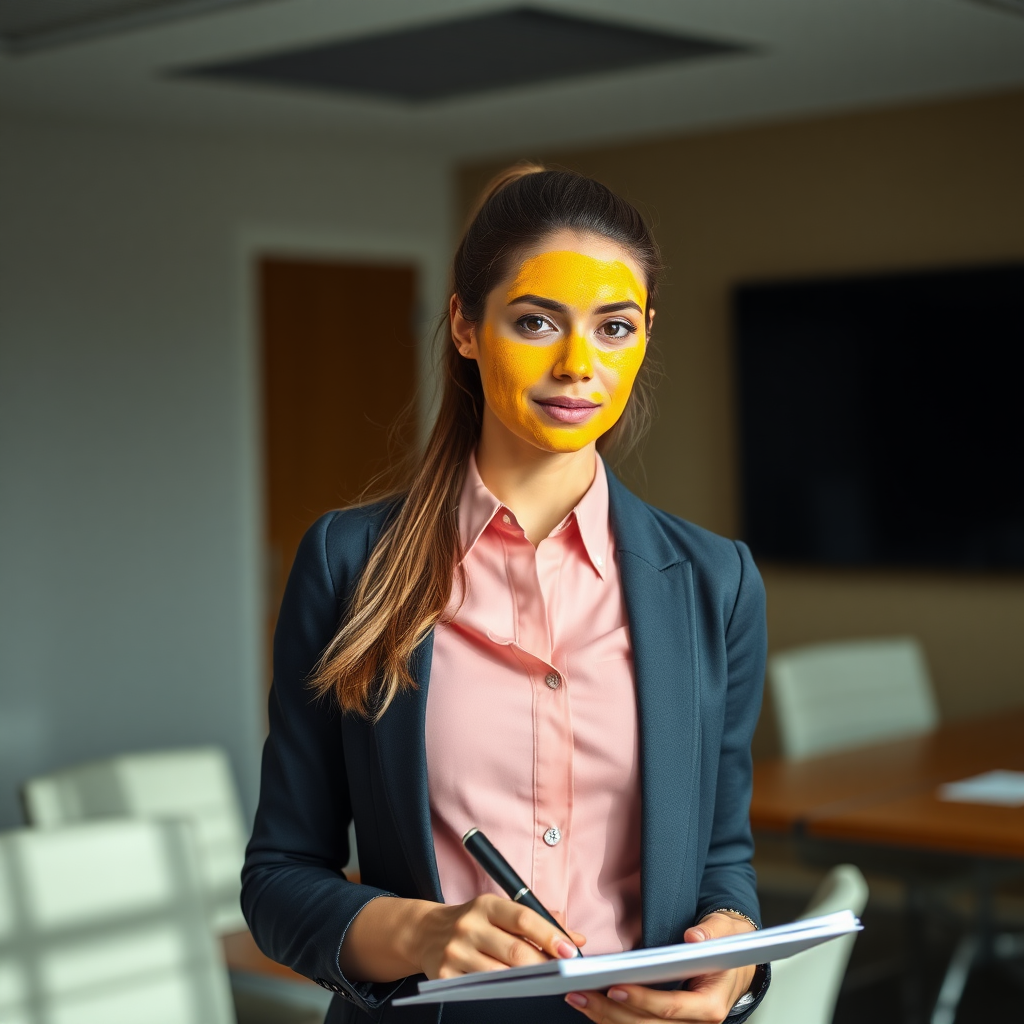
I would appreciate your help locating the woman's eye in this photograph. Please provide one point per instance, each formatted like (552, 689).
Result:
(618, 329)
(533, 324)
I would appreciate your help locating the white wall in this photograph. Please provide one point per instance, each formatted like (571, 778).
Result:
(130, 579)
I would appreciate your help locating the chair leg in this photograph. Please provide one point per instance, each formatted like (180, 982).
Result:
(955, 979)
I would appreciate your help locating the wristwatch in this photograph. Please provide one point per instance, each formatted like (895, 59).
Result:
(742, 1003)
(751, 996)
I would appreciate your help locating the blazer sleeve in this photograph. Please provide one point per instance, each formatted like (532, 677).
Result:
(295, 898)
(728, 880)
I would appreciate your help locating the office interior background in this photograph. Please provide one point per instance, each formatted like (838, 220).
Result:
(160, 175)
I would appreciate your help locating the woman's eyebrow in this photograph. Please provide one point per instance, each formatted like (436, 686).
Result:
(614, 307)
(558, 307)
(536, 300)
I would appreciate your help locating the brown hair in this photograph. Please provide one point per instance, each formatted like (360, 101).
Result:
(408, 579)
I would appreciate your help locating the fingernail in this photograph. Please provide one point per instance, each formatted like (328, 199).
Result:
(699, 935)
(565, 950)
(577, 999)
(618, 994)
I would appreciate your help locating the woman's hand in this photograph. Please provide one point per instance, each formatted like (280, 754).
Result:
(391, 938)
(486, 934)
(706, 999)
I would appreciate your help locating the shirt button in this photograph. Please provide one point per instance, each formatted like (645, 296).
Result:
(553, 680)
(553, 836)
(506, 520)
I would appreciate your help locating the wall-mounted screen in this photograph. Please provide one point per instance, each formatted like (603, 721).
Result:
(882, 419)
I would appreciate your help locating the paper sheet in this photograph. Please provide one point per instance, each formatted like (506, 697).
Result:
(638, 966)
(1003, 788)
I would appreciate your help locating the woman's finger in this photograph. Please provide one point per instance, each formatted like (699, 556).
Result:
(527, 924)
(633, 1004)
(509, 948)
(603, 1010)
(710, 1003)
(466, 959)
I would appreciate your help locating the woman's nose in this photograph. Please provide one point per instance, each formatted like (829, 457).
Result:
(574, 360)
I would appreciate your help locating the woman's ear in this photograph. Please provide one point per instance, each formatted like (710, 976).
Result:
(650, 321)
(463, 330)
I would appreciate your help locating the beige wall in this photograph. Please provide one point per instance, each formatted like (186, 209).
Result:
(929, 185)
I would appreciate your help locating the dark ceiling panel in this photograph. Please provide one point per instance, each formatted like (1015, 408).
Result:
(442, 60)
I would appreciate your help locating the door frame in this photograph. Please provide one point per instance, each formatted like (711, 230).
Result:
(429, 257)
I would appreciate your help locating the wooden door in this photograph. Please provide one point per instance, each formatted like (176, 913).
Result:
(339, 368)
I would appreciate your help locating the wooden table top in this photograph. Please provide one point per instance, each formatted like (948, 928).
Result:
(886, 793)
(924, 821)
(242, 954)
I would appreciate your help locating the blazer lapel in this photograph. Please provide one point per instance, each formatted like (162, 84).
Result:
(657, 585)
(402, 754)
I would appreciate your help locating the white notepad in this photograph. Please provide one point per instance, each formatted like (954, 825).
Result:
(638, 966)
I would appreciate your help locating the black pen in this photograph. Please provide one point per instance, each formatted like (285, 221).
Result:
(500, 870)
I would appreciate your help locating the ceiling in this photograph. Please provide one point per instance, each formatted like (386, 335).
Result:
(459, 58)
(804, 57)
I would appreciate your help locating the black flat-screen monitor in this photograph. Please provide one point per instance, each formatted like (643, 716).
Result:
(882, 419)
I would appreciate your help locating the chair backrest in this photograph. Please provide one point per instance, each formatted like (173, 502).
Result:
(805, 987)
(104, 923)
(832, 696)
(193, 784)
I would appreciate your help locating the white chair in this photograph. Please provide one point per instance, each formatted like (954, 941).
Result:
(193, 784)
(805, 987)
(104, 923)
(831, 696)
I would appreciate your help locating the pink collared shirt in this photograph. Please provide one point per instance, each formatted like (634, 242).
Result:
(531, 723)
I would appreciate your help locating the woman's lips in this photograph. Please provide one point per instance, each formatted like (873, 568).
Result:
(568, 410)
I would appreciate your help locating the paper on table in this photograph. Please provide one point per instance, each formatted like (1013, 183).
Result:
(1004, 788)
(638, 966)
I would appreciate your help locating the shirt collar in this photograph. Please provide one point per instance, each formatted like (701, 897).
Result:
(478, 507)
(593, 520)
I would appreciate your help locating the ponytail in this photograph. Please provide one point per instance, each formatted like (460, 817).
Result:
(408, 580)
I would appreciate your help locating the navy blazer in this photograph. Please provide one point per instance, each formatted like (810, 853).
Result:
(696, 610)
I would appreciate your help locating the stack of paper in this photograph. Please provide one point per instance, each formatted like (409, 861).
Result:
(639, 966)
(1002, 788)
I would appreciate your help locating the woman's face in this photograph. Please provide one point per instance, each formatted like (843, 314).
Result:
(561, 341)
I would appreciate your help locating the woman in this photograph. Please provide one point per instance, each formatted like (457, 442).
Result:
(516, 643)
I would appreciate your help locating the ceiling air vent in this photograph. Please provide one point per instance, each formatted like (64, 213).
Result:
(462, 57)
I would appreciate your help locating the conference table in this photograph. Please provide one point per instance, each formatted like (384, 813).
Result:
(879, 805)
(243, 956)
(886, 794)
